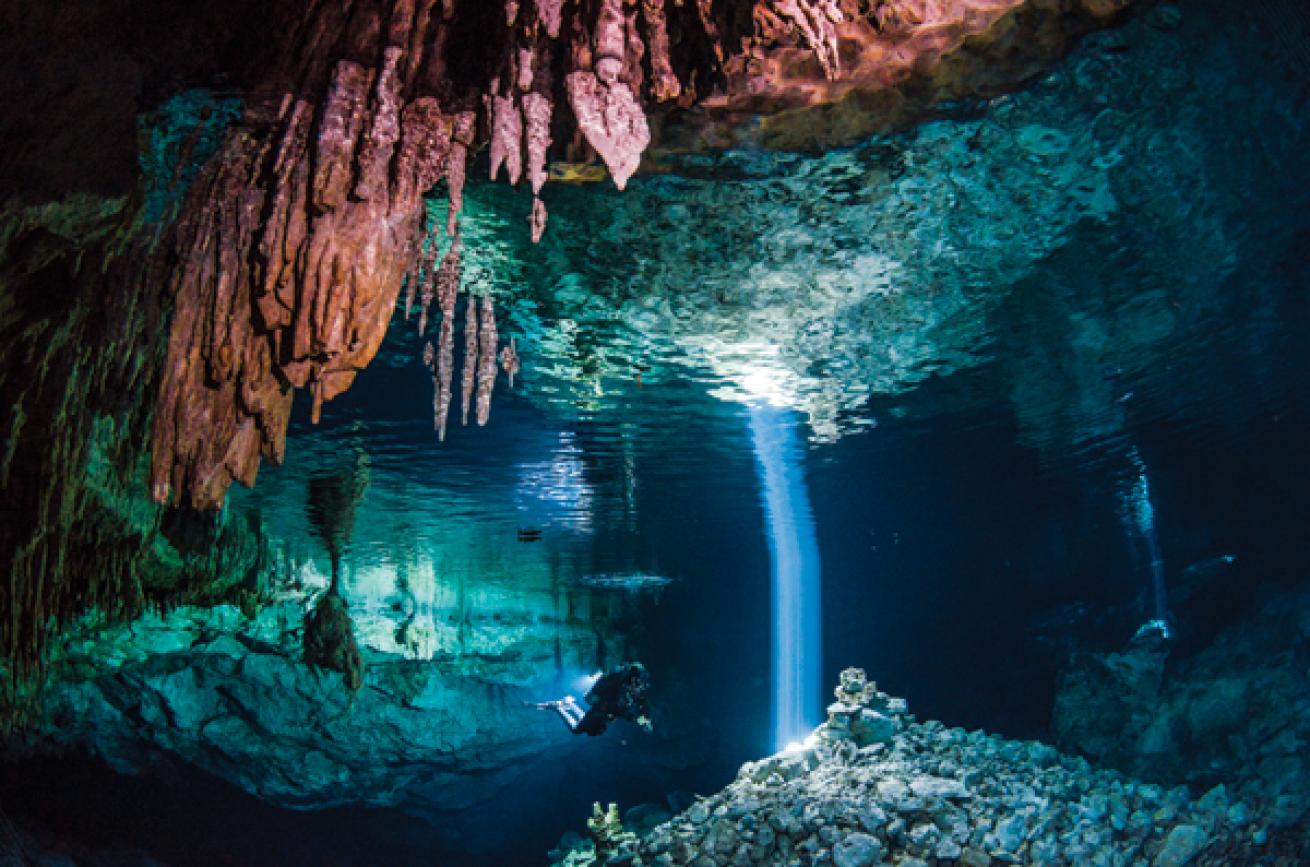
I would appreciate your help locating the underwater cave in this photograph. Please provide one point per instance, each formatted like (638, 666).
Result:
(655, 432)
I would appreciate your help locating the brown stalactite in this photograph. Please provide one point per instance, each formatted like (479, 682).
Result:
(506, 138)
(309, 308)
(816, 21)
(612, 121)
(605, 106)
(551, 15)
(470, 357)
(465, 125)
(384, 130)
(447, 281)
(537, 110)
(524, 68)
(664, 82)
(412, 277)
(427, 277)
(705, 10)
(338, 130)
(487, 345)
(444, 375)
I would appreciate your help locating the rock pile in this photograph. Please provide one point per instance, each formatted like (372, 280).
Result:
(930, 795)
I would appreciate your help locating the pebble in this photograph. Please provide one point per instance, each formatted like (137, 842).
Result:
(857, 850)
(1180, 846)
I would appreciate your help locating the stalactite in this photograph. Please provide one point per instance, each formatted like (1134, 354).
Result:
(607, 110)
(509, 360)
(506, 138)
(664, 83)
(412, 277)
(447, 288)
(817, 21)
(443, 378)
(384, 129)
(427, 277)
(487, 341)
(447, 280)
(470, 357)
(461, 140)
(705, 11)
(551, 15)
(330, 207)
(537, 110)
(525, 71)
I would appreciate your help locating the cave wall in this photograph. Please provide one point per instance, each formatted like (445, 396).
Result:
(83, 315)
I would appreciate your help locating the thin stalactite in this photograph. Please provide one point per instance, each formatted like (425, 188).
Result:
(470, 357)
(487, 345)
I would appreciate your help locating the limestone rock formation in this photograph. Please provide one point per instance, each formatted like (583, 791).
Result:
(293, 246)
(231, 695)
(509, 360)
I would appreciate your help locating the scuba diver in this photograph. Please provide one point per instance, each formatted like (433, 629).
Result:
(619, 694)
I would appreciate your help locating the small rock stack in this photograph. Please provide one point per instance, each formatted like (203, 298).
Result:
(861, 716)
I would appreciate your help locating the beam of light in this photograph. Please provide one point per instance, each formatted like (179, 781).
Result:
(794, 554)
(1140, 515)
(582, 684)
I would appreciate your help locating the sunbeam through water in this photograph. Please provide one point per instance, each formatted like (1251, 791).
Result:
(794, 555)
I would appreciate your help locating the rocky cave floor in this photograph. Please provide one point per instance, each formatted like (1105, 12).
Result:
(918, 793)
(943, 796)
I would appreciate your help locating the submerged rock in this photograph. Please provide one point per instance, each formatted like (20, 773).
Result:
(1234, 711)
(232, 696)
(330, 640)
(932, 795)
(1182, 844)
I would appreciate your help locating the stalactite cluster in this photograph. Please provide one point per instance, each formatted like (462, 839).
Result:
(296, 241)
(83, 344)
(478, 371)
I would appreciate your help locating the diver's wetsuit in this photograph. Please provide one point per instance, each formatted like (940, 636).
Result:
(621, 693)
